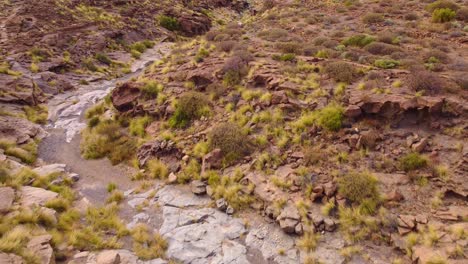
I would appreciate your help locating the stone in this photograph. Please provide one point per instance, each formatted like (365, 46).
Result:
(198, 187)
(329, 189)
(20, 90)
(230, 210)
(395, 196)
(317, 220)
(172, 178)
(108, 257)
(330, 225)
(40, 247)
(213, 160)
(7, 196)
(221, 204)
(406, 221)
(419, 146)
(36, 196)
(19, 130)
(74, 177)
(299, 229)
(398, 242)
(352, 111)
(289, 218)
(268, 238)
(124, 97)
(10, 259)
(424, 254)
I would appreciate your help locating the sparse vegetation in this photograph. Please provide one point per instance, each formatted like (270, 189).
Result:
(341, 71)
(413, 161)
(230, 139)
(190, 106)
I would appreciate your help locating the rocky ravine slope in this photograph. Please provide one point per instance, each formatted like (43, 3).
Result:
(323, 132)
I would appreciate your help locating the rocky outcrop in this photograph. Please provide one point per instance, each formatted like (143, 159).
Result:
(194, 24)
(124, 97)
(40, 246)
(289, 219)
(392, 105)
(36, 196)
(52, 83)
(19, 130)
(161, 149)
(7, 196)
(19, 90)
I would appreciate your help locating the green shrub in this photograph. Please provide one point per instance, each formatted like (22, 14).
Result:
(372, 18)
(285, 57)
(190, 106)
(413, 161)
(386, 63)
(170, 23)
(358, 40)
(138, 125)
(157, 169)
(341, 71)
(36, 114)
(443, 15)
(107, 140)
(330, 117)
(103, 58)
(290, 47)
(146, 244)
(442, 4)
(229, 187)
(358, 186)
(232, 142)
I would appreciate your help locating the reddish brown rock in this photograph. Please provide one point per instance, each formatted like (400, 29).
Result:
(213, 160)
(124, 97)
(352, 111)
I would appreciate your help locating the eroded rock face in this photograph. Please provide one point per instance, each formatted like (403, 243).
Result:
(124, 96)
(194, 24)
(392, 105)
(289, 219)
(19, 130)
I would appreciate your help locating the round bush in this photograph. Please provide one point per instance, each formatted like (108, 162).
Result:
(357, 187)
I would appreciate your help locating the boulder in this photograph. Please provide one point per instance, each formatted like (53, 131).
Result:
(19, 130)
(198, 187)
(7, 196)
(419, 146)
(289, 218)
(36, 196)
(49, 169)
(221, 204)
(213, 160)
(330, 225)
(124, 97)
(194, 23)
(108, 257)
(40, 246)
(352, 111)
